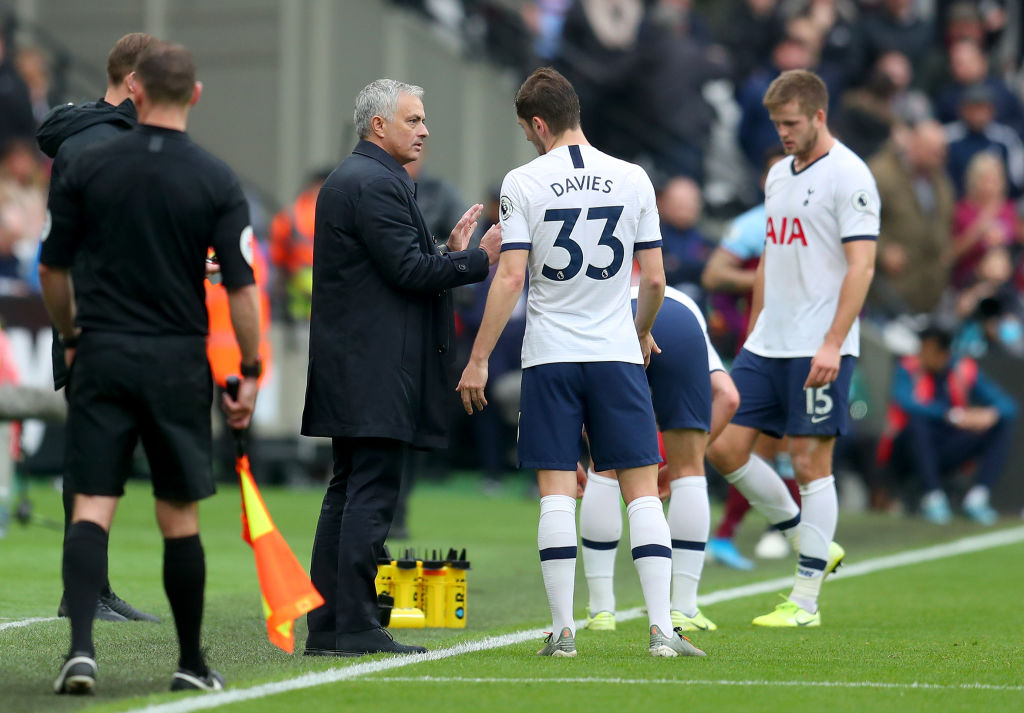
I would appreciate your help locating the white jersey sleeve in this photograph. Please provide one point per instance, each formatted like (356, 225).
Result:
(515, 227)
(857, 204)
(649, 226)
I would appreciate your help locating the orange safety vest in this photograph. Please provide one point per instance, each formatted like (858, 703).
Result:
(221, 347)
(960, 381)
(291, 233)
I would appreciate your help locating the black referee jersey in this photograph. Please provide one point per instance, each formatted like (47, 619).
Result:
(135, 216)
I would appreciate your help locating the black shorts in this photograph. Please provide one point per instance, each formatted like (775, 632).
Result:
(126, 387)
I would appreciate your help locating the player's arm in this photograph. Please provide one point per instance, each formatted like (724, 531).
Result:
(860, 258)
(724, 274)
(501, 300)
(757, 295)
(649, 298)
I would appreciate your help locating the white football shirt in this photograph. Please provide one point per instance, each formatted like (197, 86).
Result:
(581, 214)
(811, 213)
(671, 293)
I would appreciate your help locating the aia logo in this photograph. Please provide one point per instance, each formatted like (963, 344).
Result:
(782, 237)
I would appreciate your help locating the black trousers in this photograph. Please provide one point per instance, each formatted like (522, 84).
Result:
(354, 521)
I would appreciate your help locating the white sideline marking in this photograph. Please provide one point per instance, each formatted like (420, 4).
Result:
(334, 675)
(709, 682)
(26, 622)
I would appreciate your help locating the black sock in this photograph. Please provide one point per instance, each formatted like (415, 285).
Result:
(85, 571)
(184, 582)
(68, 498)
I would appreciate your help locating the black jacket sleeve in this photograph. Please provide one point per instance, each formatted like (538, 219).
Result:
(384, 223)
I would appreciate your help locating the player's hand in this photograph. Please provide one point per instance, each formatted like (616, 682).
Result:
(464, 229)
(824, 367)
(491, 243)
(581, 480)
(239, 412)
(648, 346)
(471, 386)
(979, 419)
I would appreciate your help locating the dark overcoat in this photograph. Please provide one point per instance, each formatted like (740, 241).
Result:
(382, 332)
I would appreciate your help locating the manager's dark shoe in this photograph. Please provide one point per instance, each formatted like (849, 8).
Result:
(321, 643)
(373, 641)
(119, 606)
(103, 612)
(185, 680)
(77, 676)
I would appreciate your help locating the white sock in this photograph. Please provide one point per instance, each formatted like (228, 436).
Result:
(650, 542)
(600, 531)
(689, 522)
(817, 529)
(556, 540)
(766, 492)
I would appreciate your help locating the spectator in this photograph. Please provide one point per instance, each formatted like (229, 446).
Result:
(754, 28)
(684, 247)
(945, 413)
(917, 212)
(865, 118)
(32, 66)
(16, 121)
(599, 56)
(993, 328)
(907, 104)
(984, 219)
(676, 62)
(898, 25)
(545, 20)
(836, 31)
(969, 67)
(980, 21)
(977, 131)
(291, 250)
(22, 214)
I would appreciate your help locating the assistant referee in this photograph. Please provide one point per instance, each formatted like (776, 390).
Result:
(135, 216)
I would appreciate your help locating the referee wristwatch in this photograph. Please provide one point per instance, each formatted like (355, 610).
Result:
(252, 371)
(68, 342)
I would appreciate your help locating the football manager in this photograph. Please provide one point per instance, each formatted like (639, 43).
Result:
(381, 343)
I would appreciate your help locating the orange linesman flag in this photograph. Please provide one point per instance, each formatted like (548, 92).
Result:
(287, 590)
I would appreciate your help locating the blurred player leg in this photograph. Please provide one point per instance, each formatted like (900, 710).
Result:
(600, 531)
(754, 478)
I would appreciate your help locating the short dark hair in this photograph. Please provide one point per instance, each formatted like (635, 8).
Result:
(805, 87)
(942, 337)
(167, 72)
(125, 54)
(550, 96)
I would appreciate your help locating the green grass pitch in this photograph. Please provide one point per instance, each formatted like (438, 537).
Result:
(941, 635)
